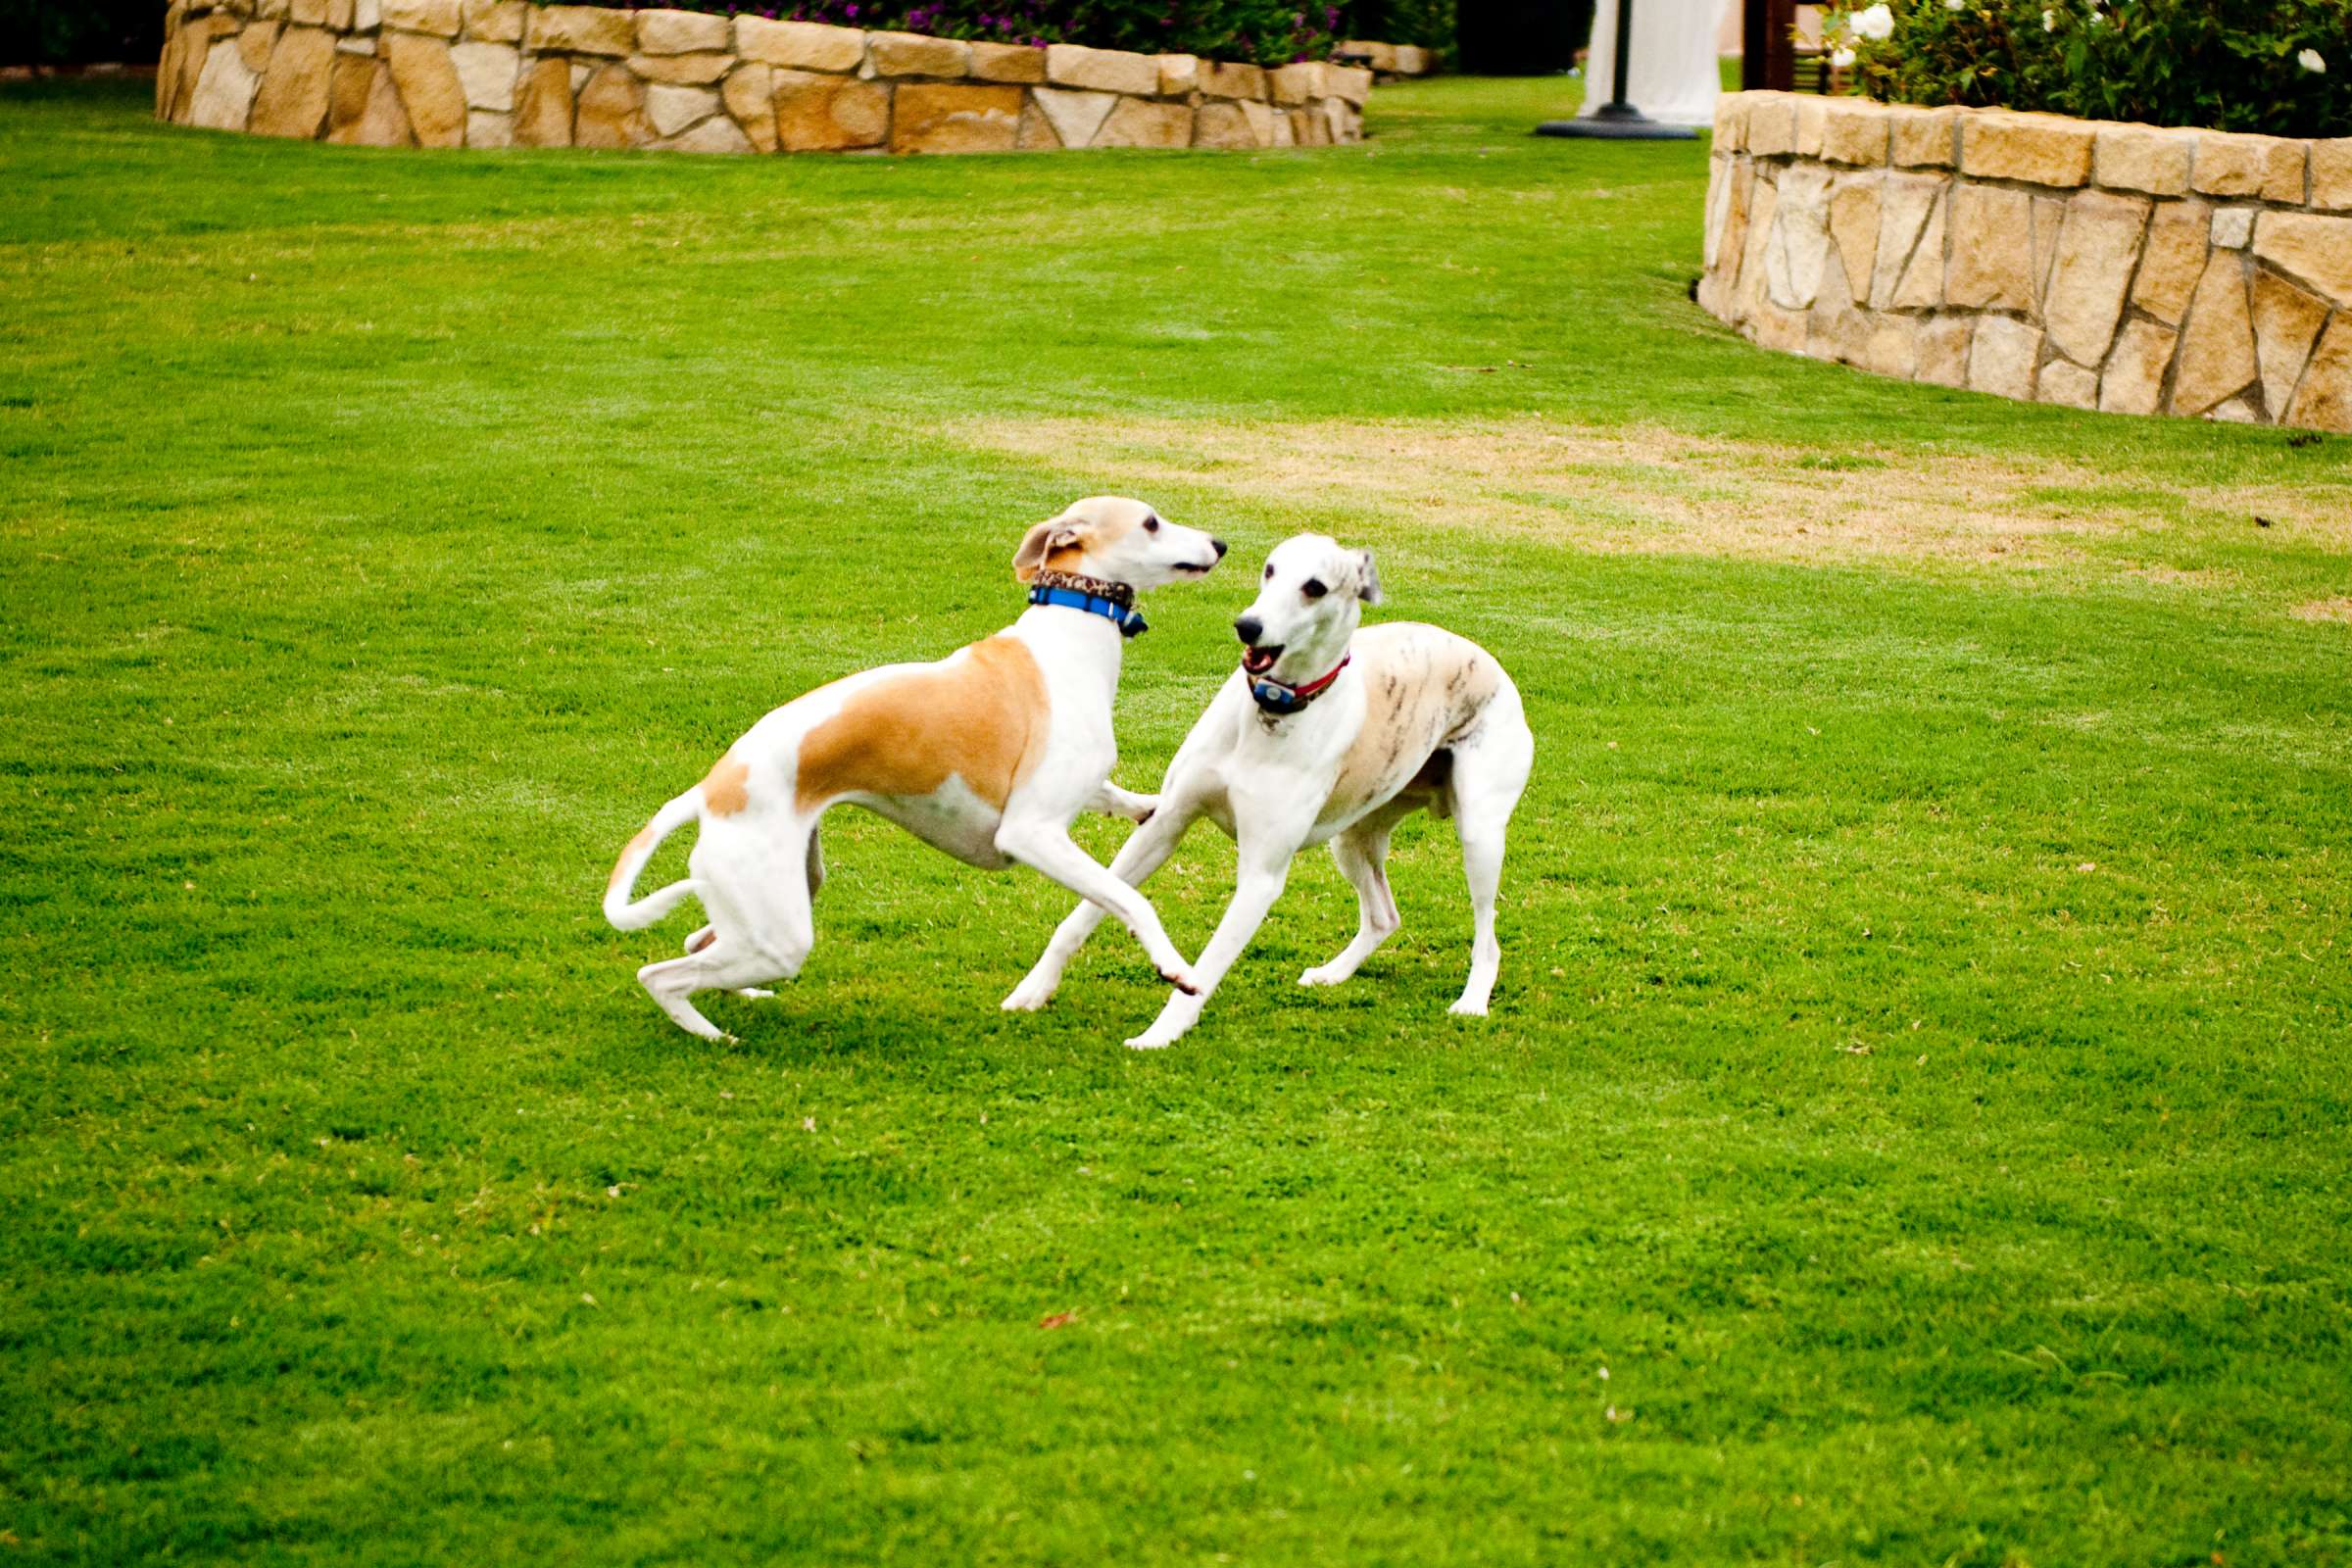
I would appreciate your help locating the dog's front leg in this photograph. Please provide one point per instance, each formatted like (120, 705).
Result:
(1047, 846)
(1140, 856)
(1112, 800)
(1265, 866)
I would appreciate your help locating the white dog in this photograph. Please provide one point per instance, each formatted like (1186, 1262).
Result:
(1329, 733)
(987, 754)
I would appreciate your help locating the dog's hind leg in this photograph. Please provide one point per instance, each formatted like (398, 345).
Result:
(761, 925)
(1362, 854)
(1488, 776)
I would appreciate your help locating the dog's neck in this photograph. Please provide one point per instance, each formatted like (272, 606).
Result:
(1114, 602)
(1281, 699)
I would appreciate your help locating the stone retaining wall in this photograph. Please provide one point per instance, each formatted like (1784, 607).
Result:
(2102, 266)
(504, 72)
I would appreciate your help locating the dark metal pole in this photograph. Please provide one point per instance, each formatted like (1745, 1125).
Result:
(1618, 120)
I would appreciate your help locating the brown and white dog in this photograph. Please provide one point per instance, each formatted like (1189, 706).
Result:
(987, 754)
(1328, 733)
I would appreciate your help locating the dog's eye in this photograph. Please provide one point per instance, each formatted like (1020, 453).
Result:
(1150, 525)
(1313, 588)
(1269, 571)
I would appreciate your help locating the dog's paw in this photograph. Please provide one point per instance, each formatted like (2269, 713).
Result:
(1151, 1039)
(1029, 995)
(753, 993)
(1329, 974)
(1467, 1008)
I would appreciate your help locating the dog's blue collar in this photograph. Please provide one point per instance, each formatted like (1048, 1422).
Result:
(1126, 617)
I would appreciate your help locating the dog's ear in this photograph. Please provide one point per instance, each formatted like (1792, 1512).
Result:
(1057, 533)
(1367, 578)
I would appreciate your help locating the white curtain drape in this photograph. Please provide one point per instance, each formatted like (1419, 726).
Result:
(1673, 71)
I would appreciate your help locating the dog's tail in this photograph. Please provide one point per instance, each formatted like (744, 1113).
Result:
(628, 916)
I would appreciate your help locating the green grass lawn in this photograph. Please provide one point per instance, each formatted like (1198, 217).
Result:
(1916, 1122)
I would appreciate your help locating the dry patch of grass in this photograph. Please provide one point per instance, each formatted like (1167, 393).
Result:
(1649, 490)
(2325, 610)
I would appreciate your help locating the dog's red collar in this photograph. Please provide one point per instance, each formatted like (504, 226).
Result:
(1275, 697)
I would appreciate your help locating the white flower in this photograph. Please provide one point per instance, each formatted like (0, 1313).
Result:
(2096, 18)
(2310, 61)
(1876, 23)
(1839, 59)
(2049, 22)
(1955, 5)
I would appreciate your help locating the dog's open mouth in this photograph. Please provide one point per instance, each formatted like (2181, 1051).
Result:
(1201, 570)
(1257, 661)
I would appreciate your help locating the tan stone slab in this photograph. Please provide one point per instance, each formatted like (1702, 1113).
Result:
(954, 118)
(2325, 399)
(1412, 59)
(1141, 122)
(670, 108)
(1220, 78)
(1350, 84)
(1007, 62)
(224, 92)
(1295, 85)
(2003, 357)
(2332, 174)
(439, 18)
(344, 14)
(821, 113)
(611, 110)
(1761, 207)
(308, 13)
(716, 134)
(543, 105)
(914, 54)
(750, 94)
(1797, 255)
(1074, 115)
(2216, 360)
(1719, 195)
(2233, 228)
(2172, 260)
(1069, 64)
(488, 130)
(1854, 226)
(1731, 243)
(799, 45)
(1904, 202)
(2062, 381)
(2037, 149)
(2286, 322)
(682, 32)
(2151, 158)
(2134, 380)
(1771, 124)
(1261, 117)
(364, 107)
(1854, 131)
(1944, 344)
(580, 30)
(2312, 248)
(681, 71)
(1923, 281)
(1892, 347)
(1179, 74)
(1922, 138)
(2096, 250)
(255, 44)
(2049, 216)
(487, 73)
(1731, 123)
(1037, 133)
(1223, 124)
(292, 101)
(429, 89)
(493, 20)
(2267, 167)
(1991, 263)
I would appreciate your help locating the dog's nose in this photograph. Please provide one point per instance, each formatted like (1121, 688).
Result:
(1246, 628)
(1218, 544)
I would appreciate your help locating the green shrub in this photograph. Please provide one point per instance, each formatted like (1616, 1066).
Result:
(2280, 66)
(46, 32)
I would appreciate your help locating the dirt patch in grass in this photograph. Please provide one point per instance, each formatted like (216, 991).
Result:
(2325, 610)
(1648, 490)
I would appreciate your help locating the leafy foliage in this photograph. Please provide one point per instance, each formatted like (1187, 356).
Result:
(2282, 68)
(45, 33)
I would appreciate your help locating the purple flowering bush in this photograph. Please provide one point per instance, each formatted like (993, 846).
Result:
(1267, 33)
(2282, 67)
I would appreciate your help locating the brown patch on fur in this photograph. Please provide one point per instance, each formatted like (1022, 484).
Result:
(974, 716)
(723, 794)
(645, 836)
(2325, 609)
(1060, 544)
(1421, 686)
(1651, 491)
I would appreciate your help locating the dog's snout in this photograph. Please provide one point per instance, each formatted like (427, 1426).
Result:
(1247, 627)
(1218, 544)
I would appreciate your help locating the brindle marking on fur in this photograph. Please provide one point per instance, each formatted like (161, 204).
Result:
(978, 717)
